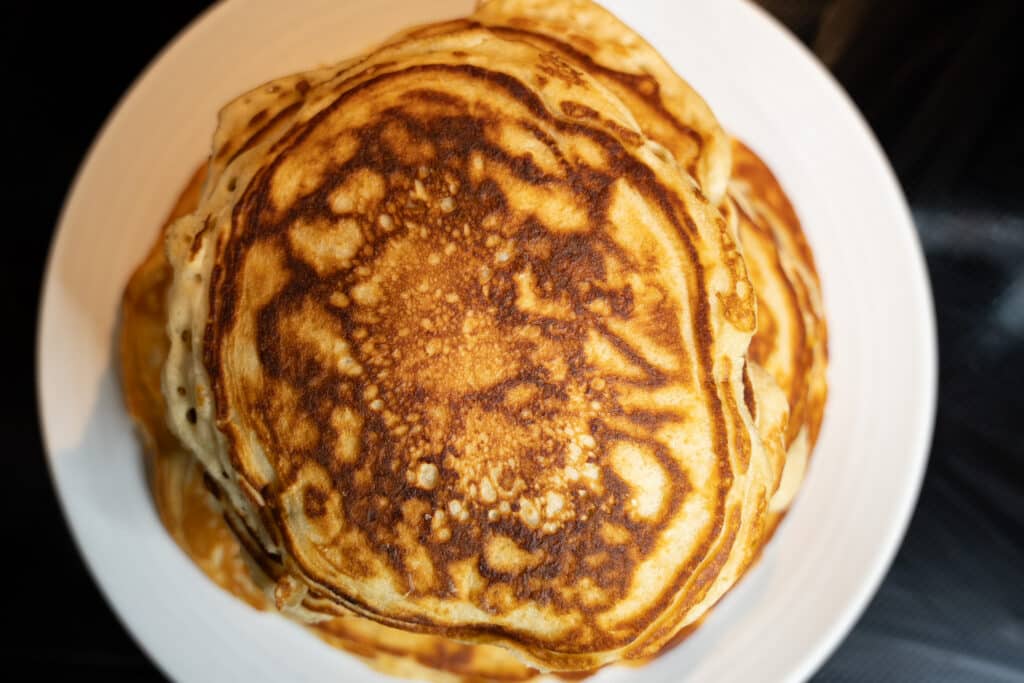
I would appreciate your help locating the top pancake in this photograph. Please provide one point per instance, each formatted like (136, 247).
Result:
(464, 350)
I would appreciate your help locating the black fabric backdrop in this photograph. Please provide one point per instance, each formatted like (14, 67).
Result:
(940, 83)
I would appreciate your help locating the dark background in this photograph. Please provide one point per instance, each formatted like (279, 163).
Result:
(940, 83)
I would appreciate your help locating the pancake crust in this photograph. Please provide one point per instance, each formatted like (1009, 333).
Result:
(464, 352)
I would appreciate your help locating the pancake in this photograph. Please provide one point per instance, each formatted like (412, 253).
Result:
(594, 40)
(192, 516)
(464, 352)
(791, 343)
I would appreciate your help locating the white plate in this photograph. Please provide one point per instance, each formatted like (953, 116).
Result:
(832, 551)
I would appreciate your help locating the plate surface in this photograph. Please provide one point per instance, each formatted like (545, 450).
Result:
(830, 554)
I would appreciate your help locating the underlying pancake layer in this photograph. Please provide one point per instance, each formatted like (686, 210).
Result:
(465, 353)
(792, 339)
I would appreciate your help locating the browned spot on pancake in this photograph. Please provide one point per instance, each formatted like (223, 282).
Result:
(257, 118)
(763, 343)
(314, 502)
(741, 437)
(579, 111)
(261, 132)
(553, 65)
(628, 136)
(197, 242)
(748, 393)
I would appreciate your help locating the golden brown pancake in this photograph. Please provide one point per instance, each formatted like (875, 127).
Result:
(192, 516)
(433, 292)
(464, 352)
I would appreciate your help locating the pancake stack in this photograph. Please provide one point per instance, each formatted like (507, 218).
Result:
(480, 339)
